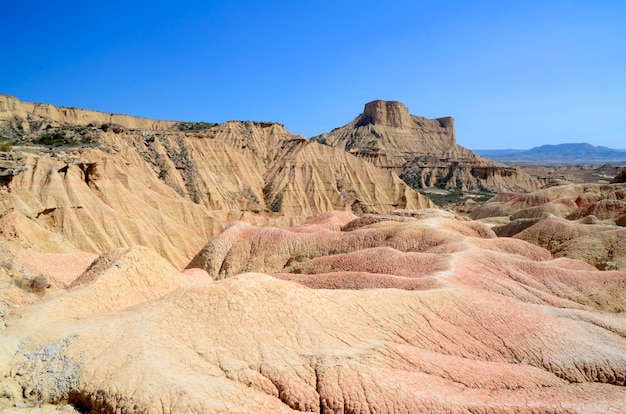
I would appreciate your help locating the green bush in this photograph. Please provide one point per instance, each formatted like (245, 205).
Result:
(277, 204)
(457, 196)
(5, 146)
(56, 138)
(105, 127)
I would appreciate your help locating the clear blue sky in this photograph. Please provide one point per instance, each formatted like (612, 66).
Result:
(514, 74)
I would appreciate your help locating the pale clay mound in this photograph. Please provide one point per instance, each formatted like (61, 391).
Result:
(576, 220)
(600, 245)
(479, 324)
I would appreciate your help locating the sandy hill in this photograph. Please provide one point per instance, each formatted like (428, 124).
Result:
(409, 312)
(424, 152)
(582, 221)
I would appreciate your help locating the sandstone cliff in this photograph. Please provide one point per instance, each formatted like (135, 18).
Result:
(422, 151)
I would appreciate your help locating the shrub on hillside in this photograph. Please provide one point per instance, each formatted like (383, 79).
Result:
(5, 146)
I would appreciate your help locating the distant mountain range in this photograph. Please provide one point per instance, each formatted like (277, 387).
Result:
(582, 153)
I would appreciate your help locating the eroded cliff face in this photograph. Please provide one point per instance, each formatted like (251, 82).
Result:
(172, 190)
(27, 113)
(422, 151)
(261, 167)
(94, 202)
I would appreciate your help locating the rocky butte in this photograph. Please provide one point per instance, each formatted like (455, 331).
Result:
(424, 152)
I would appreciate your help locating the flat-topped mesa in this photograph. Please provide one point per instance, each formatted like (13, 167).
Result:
(388, 113)
(396, 114)
(388, 127)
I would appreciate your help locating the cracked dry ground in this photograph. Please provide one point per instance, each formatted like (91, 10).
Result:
(412, 312)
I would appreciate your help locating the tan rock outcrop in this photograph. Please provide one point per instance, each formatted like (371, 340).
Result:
(388, 113)
(422, 151)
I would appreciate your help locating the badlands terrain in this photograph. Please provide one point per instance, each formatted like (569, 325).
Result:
(171, 267)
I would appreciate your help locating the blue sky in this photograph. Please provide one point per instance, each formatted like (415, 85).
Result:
(514, 74)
